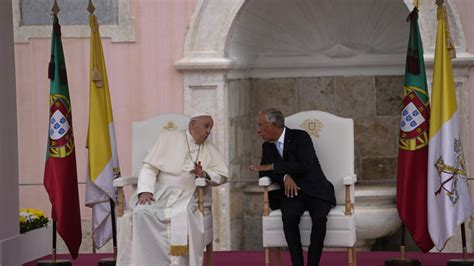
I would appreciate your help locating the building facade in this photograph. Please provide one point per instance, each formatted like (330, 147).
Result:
(233, 58)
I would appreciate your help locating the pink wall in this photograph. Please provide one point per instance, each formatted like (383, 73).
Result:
(143, 82)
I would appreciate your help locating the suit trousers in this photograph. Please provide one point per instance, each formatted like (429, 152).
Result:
(292, 209)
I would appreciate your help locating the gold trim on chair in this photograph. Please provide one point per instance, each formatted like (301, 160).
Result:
(312, 126)
(170, 126)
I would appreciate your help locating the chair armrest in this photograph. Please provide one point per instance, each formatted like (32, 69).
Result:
(264, 181)
(125, 181)
(200, 182)
(350, 180)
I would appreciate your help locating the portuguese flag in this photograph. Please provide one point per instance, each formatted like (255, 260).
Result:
(60, 174)
(412, 167)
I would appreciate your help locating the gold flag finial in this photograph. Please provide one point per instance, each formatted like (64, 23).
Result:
(442, 14)
(416, 3)
(55, 9)
(91, 7)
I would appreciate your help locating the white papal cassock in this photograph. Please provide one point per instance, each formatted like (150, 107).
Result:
(170, 231)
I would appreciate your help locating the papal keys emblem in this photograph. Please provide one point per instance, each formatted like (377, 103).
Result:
(61, 140)
(414, 123)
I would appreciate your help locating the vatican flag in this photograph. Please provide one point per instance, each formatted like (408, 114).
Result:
(449, 203)
(103, 164)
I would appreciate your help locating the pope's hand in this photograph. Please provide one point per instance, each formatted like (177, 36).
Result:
(145, 197)
(197, 171)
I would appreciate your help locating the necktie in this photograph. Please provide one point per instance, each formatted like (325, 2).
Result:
(280, 148)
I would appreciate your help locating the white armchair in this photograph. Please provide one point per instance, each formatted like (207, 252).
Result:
(333, 139)
(144, 135)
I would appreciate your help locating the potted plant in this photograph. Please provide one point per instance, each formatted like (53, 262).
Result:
(35, 235)
(31, 219)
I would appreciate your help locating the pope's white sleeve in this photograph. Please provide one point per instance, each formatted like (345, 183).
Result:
(147, 179)
(215, 179)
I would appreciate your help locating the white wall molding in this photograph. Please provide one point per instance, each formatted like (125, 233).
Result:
(123, 32)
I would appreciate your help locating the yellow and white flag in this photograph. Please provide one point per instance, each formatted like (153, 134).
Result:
(103, 164)
(449, 203)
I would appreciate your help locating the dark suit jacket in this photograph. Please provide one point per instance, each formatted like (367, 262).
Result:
(300, 161)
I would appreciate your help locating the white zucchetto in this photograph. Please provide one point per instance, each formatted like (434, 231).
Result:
(199, 114)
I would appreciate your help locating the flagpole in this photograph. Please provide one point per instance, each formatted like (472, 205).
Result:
(111, 261)
(465, 261)
(402, 243)
(54, 241)
(114, 227)
(463, 236)
(402, 261)
(54, 261)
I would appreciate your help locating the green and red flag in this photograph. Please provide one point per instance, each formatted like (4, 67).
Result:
(412, 167)
(60, 173)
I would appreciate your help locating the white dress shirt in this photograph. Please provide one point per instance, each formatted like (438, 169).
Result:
(280, 145)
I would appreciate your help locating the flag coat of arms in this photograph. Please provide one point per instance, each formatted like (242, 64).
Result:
(413, 143)
(449, 203)
(103, 164)
(60, 172)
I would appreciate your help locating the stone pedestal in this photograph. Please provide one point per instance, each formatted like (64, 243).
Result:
(376, 213)
(35, 244)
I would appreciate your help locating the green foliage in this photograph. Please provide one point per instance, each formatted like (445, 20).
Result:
(31, 219)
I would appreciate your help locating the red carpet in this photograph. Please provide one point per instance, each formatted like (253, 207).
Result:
(330, 258)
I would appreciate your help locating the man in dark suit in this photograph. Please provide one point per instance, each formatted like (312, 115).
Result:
(289, 159)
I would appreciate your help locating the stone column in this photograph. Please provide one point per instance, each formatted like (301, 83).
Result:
(206, 91)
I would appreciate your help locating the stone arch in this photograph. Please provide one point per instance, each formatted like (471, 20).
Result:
(212, 24)
(210, 64)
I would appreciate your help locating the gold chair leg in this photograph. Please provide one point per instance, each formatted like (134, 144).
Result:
(267, 257)
(278, 256)
(351, 258)
(354, 254)
(209, 257)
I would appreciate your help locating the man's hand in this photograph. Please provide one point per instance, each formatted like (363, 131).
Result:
(264, 167)
(197, 171)
(145, 197)
(291, 189)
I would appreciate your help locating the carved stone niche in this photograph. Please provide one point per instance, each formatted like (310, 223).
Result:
(239, 39)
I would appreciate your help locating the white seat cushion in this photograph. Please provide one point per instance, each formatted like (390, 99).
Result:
(340, 232)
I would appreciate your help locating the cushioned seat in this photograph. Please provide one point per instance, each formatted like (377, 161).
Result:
(339, 226)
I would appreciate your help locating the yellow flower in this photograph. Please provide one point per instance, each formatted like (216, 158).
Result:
(32, 219)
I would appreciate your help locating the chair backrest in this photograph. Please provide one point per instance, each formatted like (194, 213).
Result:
(146, 132)
(333, 139)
